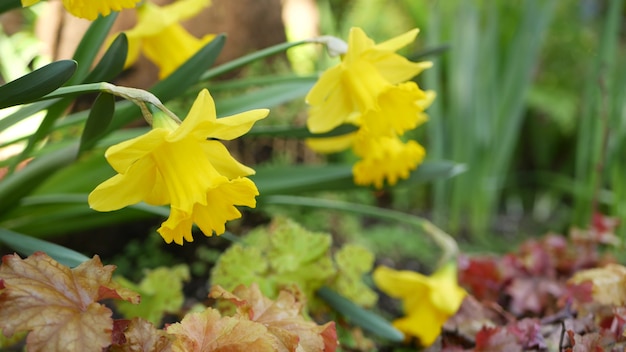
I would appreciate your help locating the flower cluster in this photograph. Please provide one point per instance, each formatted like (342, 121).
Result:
(369, 88)
(186, 166)
(427, 301)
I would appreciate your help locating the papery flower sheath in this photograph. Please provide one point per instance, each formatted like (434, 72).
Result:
(185, 166)
(353, 86)
(161, 37)
(428, 301)
(90, 9)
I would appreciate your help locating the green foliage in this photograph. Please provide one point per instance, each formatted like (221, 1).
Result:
(284, 253)
(161, 292)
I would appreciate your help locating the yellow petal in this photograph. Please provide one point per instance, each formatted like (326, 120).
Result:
(177, 227)
(90, 9)
(327, 83)
(222, 201)
(122, 190)
(202, 121)
(358, 42)
(399, 42)
(223, 162)
(187, 173)
(185, 9)
(401, 110)
(399, 284)
(172, 47)
(385, 158)
(364, 83)
(123, 155)
(26, 3)
(331, 144)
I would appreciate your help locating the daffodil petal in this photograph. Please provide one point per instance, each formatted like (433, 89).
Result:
(222, 201)
(185, 9)
(123, 155)
(90, 9)
(177, 227)
(231, 127)
(358, 42)
(399, 284)
(325, 85)
(223, 162)
(399, 42)
(123, 190)
(334, 112)
(202, 110)
(187, 173)
(331, 144)
(425, 324)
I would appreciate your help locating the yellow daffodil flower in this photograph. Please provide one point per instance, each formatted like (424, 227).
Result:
(185, 166)
(384, 158)
(161, 37)
(90, 9)
(428, 302)
(401, 109)
(353, 86)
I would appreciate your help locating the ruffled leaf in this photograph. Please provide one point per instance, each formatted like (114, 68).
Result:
(282, 317)
(58, 305)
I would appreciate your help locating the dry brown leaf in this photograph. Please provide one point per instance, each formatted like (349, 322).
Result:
(609, 283)
(209, 331)
(58, 305)
(282, 317)
(141, 336)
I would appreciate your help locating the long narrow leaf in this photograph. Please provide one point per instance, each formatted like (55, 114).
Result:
(358, 316)
(27, 245)
(36, 84)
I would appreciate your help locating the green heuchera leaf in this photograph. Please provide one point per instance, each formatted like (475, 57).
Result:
(282, 254)
(161, 292)
(354, 261)
(242, 265)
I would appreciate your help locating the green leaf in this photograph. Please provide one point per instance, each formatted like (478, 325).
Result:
(176, 83)
(244, 60)
(27, 245)
(161, 292)
(112, 63)
(187, 74)
(311, 178)
(19, 184)
(299, 132)
(360, 317)
(266, 97)
(99, 119)
(6, 5)
(90, 45)
(36, 84)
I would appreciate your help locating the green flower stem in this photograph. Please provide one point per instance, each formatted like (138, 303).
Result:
(244, 60)
(447, 244)
(138, 96)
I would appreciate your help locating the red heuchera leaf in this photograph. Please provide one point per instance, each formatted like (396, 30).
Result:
(282, 317)
(58, 305)
(141, 336)
(496, 339)
(533, 295)
(528, 333)
(481, 276)
(209, 331)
